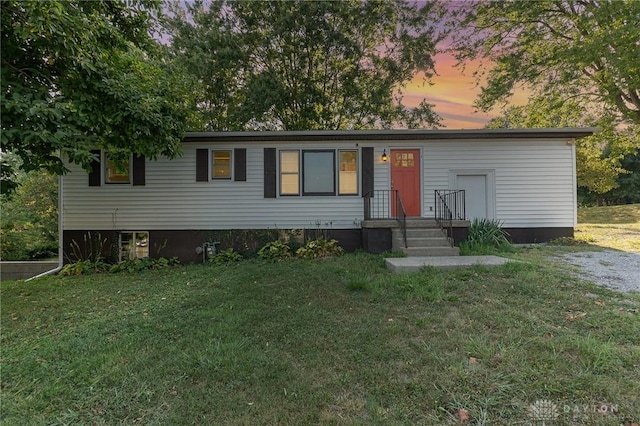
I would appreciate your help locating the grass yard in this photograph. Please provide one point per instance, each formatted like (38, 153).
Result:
(337, 341)
(616, 227)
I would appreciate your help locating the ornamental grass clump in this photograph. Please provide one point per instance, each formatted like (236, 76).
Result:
(486, 236)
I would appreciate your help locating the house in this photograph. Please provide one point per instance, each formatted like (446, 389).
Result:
(306, 180)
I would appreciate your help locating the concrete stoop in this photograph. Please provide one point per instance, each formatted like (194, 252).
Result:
(415, 264)
(424, 238)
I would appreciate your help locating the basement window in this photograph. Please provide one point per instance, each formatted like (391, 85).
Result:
(133, 245)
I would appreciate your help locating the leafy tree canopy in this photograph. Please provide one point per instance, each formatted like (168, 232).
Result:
(587, 49)
(78, 75)
(296, 65)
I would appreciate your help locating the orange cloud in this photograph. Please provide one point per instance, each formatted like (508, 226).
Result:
(453, 93)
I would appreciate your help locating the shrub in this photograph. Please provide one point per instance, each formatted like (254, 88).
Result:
(225, 256)
(320, 247)
(485, 236)
(275, 250)
(137, 265)
(84, 267)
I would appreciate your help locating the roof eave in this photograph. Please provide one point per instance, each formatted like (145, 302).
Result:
(374, 135)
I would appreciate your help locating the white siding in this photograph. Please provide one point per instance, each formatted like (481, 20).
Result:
(172, 199)
(534, 187)
(534, 179)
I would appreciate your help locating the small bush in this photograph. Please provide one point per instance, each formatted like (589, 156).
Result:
(84, 267)
(275, 250)
(137, 265)
(320, 248)
(485, 236)
(224, 257)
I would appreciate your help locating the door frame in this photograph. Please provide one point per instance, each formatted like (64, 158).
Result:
(420, 172)
(490, 180)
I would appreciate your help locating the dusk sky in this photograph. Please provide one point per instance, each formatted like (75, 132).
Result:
(453, 94)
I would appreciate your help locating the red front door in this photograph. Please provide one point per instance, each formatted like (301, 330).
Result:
(405, 177)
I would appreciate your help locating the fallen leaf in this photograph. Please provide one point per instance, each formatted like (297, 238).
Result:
(463, 415)
(599, 302)
(573, 317)
(473, 360)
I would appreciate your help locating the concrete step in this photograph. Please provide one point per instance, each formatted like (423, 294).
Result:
(426, 242)
(422, 223)
(423, 233)
(431, 251)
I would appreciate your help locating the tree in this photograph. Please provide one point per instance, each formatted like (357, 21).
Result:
(586, 49)
(78, 75)
(29, 223)
(598, 157)
(303, 64)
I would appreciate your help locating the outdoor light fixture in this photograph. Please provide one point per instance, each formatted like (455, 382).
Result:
(384, 155)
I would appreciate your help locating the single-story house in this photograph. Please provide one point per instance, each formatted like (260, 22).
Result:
(344, 182)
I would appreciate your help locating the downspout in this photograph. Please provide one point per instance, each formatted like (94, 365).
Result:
(60, 239)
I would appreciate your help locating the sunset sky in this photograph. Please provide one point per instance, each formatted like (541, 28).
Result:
(453, 94)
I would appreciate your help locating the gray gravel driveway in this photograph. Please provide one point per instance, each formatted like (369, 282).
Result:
(617, 270)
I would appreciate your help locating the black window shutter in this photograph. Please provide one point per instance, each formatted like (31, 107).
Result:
(95, 178)
(240, 164)
(139, 172)
(367, 170)
(202, 165)
(269, 173)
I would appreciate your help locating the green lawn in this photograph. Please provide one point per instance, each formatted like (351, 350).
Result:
(616, 227)
(337, 341)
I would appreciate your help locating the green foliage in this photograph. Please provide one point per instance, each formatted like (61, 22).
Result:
(92, 248)
(275, 250)
(296, 65)
(78, 75)
(587, 50)
(247, 242)
(29, 223)
(484, 237)
(224, 257)
(319, 248)
(84, 267)
(137, 265)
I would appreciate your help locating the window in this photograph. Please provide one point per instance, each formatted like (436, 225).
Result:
(318, 173)
(289, 173)
(133, 245)
(221, 165)
(348, 173)
(116, 172)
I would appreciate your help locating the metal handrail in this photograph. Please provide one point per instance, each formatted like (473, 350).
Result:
(449, 204)
(386, 204)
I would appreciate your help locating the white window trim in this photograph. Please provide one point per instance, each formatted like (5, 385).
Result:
(336, 172)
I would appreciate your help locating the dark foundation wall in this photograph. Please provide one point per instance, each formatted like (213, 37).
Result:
(521, 235)
(184, 244)
(377, 240)
(537, 235)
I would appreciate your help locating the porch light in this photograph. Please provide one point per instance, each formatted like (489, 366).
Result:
(384, 155)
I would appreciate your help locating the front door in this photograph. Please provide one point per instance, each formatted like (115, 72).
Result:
(405, 177)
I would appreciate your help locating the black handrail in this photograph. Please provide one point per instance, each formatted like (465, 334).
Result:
(450, 206)
(386, 204)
